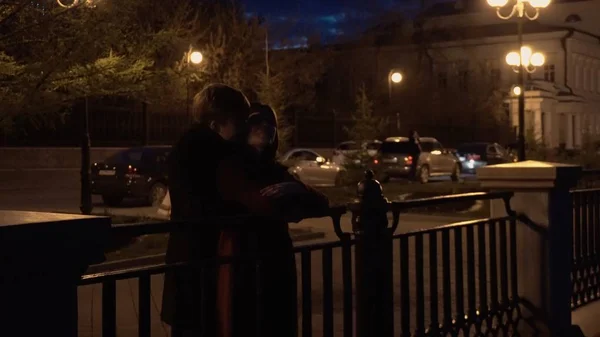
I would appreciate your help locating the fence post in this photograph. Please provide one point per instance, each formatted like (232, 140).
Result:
(544, 233)
(374, 284)
(43, 256)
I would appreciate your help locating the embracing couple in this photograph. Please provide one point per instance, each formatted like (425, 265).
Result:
(225, 165)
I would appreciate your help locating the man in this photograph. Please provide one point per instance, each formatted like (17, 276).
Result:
(219, 113)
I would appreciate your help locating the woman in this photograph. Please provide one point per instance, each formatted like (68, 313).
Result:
(268, 242)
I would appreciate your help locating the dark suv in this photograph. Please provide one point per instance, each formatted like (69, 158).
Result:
(133, 173)
(394, 160)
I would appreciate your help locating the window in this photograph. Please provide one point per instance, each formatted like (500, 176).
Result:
(437, 146)
(442, 79)
(397, 147)
(305, 155)
(496, 76)
(126, 157)
(348, 146)
(573, 133)
(463, 80)
(562, 131)
(549, 73)
(427, 146)
(543, 125)
(586, 79)
(578, 76)
(500, 149)
(492, 149)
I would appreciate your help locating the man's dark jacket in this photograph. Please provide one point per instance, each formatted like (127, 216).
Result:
(192, 185)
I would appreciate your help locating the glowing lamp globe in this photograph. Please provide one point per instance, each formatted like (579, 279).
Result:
(526, 53)
(499, 3)
(396, 77)
(517, 91)
(539, 3)
(537, 59)
(196, 57)
(513, 59)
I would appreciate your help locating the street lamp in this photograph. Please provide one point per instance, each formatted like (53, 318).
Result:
(526, 58)
(196, 57)
(522, 9)
(394, 77)
(192, 57)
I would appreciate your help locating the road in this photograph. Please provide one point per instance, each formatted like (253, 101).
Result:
(58, 191)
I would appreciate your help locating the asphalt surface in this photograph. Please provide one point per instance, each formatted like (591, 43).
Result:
(58, 191)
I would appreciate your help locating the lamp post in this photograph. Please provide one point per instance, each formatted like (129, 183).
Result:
(520, 9)
(85, 195)
(191, 57)
(394, 77)
(523, 61)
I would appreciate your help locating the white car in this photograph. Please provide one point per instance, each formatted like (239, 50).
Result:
(350, 148)
(312, 168)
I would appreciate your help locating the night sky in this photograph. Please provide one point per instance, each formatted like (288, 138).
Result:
(331, 20)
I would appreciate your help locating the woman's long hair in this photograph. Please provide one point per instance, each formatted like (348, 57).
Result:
(265, 114)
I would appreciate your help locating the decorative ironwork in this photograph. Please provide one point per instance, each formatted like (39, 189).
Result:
(586, 247)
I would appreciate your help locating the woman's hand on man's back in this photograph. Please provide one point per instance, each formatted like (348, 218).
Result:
(283, 189)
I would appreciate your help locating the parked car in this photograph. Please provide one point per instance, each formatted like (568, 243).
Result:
(139, 172)
(350, 149)
(475, 155)
(312, 168)
(394, 160)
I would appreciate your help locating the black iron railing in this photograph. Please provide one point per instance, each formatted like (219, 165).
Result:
(586, 246)
(463, 278)
(455, 280)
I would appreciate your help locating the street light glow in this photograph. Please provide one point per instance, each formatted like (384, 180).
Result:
(396, 77)
(517, 90)
(196, 57)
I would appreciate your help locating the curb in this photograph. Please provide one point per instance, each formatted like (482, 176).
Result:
(158, 259)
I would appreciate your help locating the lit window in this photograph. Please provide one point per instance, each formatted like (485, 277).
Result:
(549, 72)
(442, 79)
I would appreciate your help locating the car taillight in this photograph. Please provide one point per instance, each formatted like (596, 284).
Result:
(375, 161)
(473, 157)
(132, 172)
(408, 160)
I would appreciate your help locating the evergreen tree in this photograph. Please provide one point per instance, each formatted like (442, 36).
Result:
(366, 126)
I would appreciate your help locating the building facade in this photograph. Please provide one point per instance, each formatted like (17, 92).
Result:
(562, 98)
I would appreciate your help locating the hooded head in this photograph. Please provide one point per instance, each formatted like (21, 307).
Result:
(262, 130)
(222, 109)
